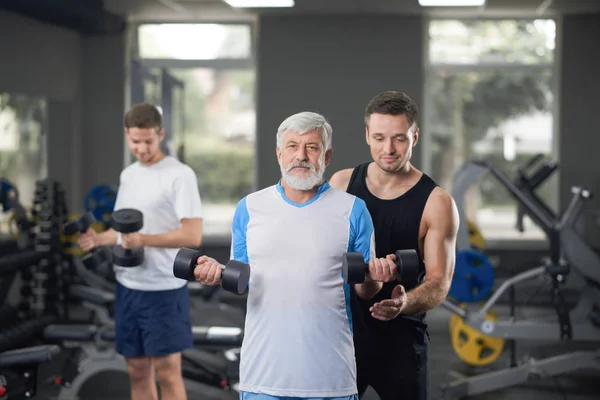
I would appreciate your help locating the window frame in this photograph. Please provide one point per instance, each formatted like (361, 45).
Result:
(554, 66)
(247, 63)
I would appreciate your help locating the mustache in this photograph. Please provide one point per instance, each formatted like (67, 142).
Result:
(301, 164)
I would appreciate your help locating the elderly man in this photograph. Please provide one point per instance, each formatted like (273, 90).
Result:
(298, 336)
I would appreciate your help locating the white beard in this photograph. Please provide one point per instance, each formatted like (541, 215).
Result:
(304, 183)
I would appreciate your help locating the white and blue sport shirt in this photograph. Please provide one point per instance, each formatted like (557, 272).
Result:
(298, 329)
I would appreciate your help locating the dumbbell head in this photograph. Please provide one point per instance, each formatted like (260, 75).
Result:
(128, 257)
(184, 264)
(354, 268)
(409, 267)
(127, 220)
(234, 276)
(80, 225)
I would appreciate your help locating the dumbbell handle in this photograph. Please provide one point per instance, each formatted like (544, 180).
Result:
(408, 257)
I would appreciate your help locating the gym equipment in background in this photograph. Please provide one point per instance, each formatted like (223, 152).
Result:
(19, 222)
(100, 201)
(473, 278)
(581, 323)
(18, 370)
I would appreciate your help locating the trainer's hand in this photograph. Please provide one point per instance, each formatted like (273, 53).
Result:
(208, 271)
(389, 309)
(131, 240)
(383, 269)
(88, 240)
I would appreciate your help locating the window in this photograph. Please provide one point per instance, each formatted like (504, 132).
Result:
(219, 139)
(23, 124)
(489, 96)
(203, 79)
(194, 41)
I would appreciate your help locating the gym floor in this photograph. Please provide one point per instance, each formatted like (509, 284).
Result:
(442, 360)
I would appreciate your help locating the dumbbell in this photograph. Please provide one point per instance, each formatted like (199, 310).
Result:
(407, 272)
(95, 257)
(127, 220)
(235, 276)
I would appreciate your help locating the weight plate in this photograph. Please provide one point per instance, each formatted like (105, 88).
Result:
(100, 201)
(8, 193)
(476, 239)
(473, 278)
(473, 347)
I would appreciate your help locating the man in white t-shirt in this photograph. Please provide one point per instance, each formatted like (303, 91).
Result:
(152, 315)
(298, 331)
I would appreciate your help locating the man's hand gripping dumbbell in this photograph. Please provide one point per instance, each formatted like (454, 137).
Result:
(191, 265)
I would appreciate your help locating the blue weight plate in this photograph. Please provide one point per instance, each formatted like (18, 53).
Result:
(100, 201)
(5, 188)
(473, 276)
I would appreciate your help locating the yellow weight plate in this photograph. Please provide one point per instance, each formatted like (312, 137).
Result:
(476, 239)
(473, 347)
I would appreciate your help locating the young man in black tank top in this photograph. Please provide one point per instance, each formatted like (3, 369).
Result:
(409, 211)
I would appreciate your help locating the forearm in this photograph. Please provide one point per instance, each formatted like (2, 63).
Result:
(180, 237)
(425, 297)
(368, 289)
(107, 238)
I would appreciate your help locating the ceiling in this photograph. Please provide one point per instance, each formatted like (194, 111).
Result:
(110, 16)
(217, 9)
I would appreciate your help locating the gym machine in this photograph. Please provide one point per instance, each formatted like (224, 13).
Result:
(528, 178)
(210, 370)
(18, 370)
(569, 254)
(526, 181)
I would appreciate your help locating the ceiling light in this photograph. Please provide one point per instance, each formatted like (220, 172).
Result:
(451, 3)
(260, 3)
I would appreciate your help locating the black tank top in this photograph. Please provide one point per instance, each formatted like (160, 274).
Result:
(397, 223)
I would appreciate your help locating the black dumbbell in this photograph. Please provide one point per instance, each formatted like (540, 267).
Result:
(95, 257)
(235, 276)
(407, 262)
(127, 220)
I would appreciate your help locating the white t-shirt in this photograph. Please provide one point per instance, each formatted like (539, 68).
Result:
(298, 331)
(166, 193)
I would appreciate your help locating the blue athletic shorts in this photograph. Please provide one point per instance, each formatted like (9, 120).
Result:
(259, 396)
(152, 323)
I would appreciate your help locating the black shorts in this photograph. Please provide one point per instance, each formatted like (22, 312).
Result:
(393, 375)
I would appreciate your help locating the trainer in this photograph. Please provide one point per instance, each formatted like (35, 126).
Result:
(298, 332)
(410, 211)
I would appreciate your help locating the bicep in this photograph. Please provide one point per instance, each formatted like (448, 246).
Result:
(440, 239)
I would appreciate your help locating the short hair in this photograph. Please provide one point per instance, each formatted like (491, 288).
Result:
(305, 122)
(393, 103)
(143, 115)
